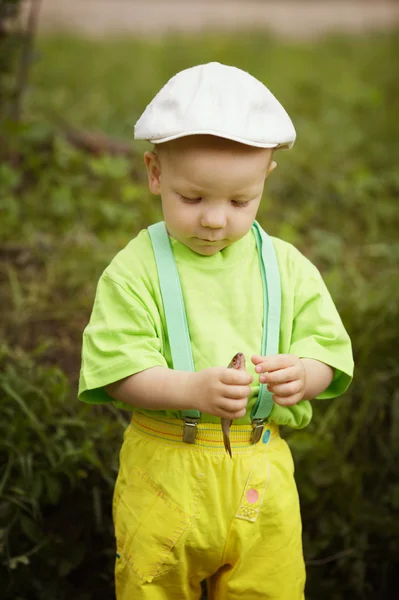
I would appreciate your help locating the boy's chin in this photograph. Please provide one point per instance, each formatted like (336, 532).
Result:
(208, 249)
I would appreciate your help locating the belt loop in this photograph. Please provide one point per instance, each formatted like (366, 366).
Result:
(190, 429)
(257, 430)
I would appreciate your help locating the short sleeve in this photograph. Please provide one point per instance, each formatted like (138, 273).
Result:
(318, 331)
(121, 339)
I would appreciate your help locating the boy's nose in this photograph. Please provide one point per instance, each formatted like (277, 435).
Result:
(213, 218)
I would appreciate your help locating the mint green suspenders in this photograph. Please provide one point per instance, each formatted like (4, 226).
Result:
(176, 321)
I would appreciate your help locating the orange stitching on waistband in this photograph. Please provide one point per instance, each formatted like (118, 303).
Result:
(240, 438)
(199, 438)
(205, 439)
(157, 430)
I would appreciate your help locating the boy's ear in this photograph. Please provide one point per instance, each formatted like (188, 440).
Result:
(271, 168)
(154, 172)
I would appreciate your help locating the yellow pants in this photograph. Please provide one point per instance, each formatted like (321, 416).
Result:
(185, 513)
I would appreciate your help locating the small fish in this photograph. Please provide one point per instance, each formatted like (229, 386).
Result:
(237, 362)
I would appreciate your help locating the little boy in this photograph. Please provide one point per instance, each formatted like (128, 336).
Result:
(171, 310)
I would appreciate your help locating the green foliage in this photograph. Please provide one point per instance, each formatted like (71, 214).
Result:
(64, 214)
(57, 473)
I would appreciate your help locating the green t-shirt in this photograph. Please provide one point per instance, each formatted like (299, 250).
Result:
(223, 297)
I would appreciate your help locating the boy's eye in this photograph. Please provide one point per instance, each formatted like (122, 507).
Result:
(190, 200)
(187, 200)
(237, 203)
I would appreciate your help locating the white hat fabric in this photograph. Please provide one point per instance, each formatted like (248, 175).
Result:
(218, 100)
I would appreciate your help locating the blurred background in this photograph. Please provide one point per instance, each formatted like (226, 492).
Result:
(74, 78)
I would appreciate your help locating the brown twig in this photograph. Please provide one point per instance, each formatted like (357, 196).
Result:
(328, 559)
(93, 142)
(25, 61)
(97, 143)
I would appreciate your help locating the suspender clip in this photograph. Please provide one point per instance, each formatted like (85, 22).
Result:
(190, 430)
(257, 430)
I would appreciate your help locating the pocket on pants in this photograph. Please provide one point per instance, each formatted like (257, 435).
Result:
(148, 526)
(255, 489)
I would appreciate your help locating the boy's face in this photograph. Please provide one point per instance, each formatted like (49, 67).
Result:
(210, 189)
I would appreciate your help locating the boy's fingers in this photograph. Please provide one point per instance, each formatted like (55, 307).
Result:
(236, 391)
(280, 376)
(286, 389)
(234, 377)
(282, 401)
(274, 363)
(228, 405)
(256, 358)
(233, 415)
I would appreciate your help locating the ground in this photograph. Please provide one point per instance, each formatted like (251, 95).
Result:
(291, 18)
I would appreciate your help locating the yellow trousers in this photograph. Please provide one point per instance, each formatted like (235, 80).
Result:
(185, 513)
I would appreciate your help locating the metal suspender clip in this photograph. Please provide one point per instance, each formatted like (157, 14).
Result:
(190, 429)
(257, 430)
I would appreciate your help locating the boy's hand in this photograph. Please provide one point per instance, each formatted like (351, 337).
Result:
(284, 375)
(221, 392)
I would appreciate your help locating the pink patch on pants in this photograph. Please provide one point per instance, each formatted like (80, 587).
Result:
(252, 496)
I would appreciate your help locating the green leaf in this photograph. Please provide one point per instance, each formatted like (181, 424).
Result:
(53, 489)
(31, 529)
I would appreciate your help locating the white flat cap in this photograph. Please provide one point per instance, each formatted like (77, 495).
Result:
(218, 100)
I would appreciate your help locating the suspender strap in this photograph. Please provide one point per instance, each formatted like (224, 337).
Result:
(176, 320)
(173, 304)
(271, 313)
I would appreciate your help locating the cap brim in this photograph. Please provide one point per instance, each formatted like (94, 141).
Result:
(222, 135)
